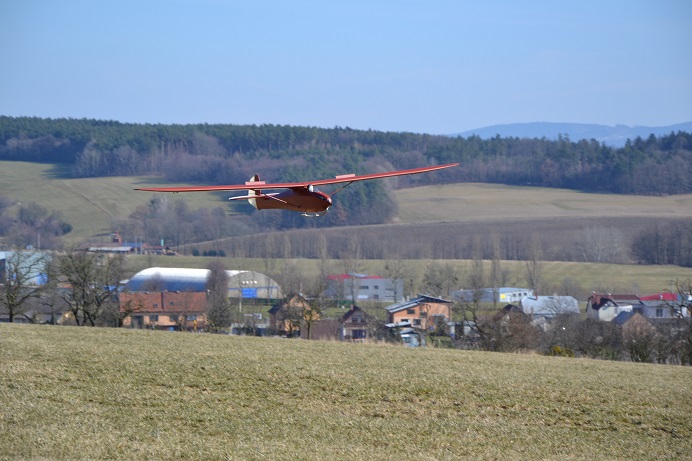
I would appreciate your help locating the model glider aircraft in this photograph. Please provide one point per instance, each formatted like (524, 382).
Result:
(302, 197)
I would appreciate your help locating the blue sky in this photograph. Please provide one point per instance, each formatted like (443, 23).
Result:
(431, 66)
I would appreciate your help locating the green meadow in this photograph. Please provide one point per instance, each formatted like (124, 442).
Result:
(85, 393)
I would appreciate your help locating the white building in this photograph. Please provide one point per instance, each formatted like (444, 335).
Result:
(363, 287)
(241, 284)
(503, 295)
(549, 306)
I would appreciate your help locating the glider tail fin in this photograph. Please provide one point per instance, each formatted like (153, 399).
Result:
(252, 192)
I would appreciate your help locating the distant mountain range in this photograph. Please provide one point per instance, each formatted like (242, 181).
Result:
(615, 136)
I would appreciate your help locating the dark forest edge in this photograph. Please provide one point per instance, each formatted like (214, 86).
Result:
(226, 154)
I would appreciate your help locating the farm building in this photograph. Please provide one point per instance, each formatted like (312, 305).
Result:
(549, 306)
(490, 295)
(176, 298)
(241, 284)
(363, 287)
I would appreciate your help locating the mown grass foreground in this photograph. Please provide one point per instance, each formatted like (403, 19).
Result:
(81, 393)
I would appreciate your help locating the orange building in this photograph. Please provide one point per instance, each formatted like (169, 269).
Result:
(180, 310)
(424, 312)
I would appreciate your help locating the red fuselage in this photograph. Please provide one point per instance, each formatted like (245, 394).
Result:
(297, 199)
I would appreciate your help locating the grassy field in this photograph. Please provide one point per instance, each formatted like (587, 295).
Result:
(91, 204)
(84, 393)
(473, 201)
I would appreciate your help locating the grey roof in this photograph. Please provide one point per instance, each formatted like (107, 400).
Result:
(624, 316)
(177, 279)
(414, 302)
(548, 306)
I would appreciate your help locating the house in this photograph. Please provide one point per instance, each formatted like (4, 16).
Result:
(424, 312)
(362, 287)
(354, 325)
(606, 307)
(504, 295)
(289, 315)
(171, 310)
(665, 306)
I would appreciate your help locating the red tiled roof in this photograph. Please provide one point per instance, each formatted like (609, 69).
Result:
(165, 301)
(667, 296)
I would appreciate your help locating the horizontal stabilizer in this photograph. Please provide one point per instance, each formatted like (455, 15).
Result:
(249, 197)
(254, 197)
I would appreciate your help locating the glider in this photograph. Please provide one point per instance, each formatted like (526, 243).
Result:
(302, 197)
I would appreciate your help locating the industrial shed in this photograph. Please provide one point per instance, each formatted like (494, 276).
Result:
(241, 284)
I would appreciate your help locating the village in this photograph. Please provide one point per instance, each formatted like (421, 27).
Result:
(360, 307)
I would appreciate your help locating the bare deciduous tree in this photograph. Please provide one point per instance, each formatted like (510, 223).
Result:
(534, 265)
(440, 279)
(93, 283)
(469, 308)
(601, 245)
(218, 308)
(19, 284)
(639, 339)
(395, 269)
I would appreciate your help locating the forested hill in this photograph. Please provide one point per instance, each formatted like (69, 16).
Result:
(213, 154)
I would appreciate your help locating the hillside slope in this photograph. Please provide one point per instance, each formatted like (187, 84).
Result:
(92, 204)
(477, 202)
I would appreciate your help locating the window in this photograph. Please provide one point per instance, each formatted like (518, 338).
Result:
(153, 318)
(659, 312)
(364, 287)
(411, 311)
(358, 334)
(416, 322)
(376, 287)
(190, 318)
